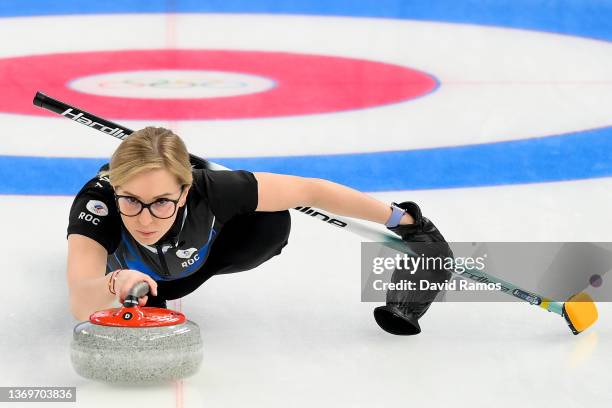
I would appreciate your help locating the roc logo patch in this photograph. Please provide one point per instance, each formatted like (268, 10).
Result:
(97, 207)
(185, 253)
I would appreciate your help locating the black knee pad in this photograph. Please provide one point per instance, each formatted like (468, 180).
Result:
(270, 236)
(249, 240)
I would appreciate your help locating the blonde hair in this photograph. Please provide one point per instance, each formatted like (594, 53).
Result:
(150, 148)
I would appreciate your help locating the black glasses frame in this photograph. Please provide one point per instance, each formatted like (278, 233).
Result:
(143, 205)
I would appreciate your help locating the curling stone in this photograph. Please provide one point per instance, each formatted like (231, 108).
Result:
(136, 345)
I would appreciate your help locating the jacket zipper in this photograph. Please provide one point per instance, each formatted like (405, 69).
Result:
(162, 260)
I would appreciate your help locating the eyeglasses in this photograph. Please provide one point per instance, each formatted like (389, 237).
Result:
(161, 208)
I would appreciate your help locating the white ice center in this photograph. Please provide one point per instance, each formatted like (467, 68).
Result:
(172, 84)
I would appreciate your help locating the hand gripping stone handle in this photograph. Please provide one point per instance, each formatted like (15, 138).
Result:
(138, 290)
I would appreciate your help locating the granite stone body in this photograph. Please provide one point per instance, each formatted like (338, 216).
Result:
(136, 355)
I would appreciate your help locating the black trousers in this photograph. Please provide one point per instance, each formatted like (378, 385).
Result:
(243, 243)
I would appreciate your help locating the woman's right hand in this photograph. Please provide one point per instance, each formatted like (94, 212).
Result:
(127, 278)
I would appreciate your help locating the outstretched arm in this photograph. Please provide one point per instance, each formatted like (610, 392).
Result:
(279, 192)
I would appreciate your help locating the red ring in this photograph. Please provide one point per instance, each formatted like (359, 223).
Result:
(306, 84)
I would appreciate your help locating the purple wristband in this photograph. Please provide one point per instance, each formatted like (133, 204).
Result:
(396, 215)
